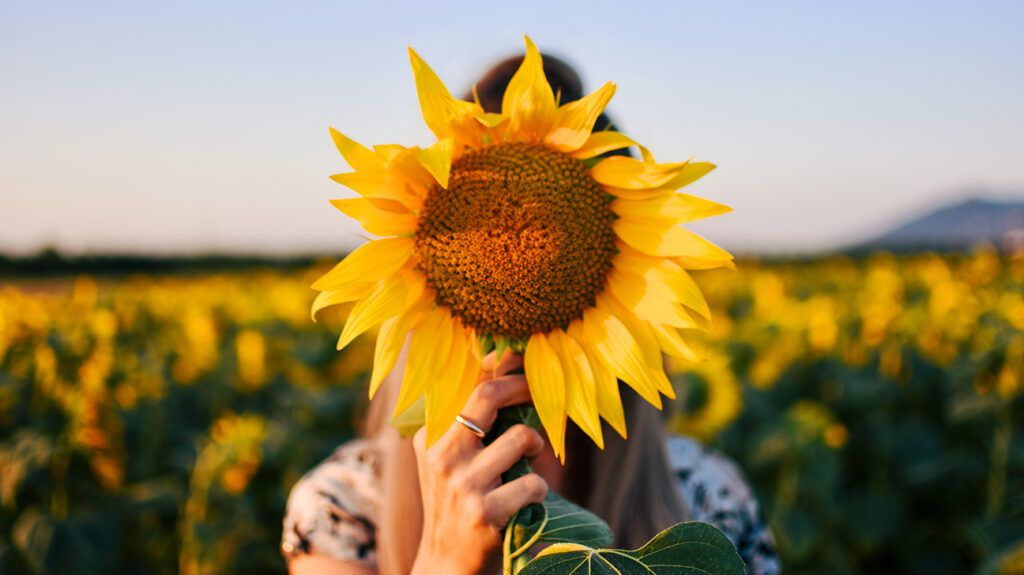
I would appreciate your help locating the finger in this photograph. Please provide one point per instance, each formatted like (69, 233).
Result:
(502, 503)
(510, 361)
(487, 365)
(419, 441)
(519, 441)
(490, 396)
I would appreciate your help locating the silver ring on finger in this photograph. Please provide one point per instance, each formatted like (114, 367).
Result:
(477, 431)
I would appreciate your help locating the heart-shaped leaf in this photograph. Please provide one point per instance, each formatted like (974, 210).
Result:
(692, 548)
(570, 523)
(558, 520)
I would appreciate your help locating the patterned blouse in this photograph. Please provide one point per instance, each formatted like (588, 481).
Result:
(334, 508)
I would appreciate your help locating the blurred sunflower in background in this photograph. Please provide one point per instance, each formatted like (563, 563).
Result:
(513, 232)
(710, 397)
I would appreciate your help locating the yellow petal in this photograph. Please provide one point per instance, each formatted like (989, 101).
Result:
(662, 238)
(384, 184)
(465, 385)
(452, 398)
(613, 345)
(415, 286)
(491, 119)
(691, 173)
(444, 386)
(580, 391)
(690, 247)
(429, 348)
(547, 386)
(680, 208)
(406, 162)
(391, 152)
(378, 216)
(665, 277)
(601, 142)
(390, 340)
(685, 288)
(386, 349)
(357, 155)
(696, 208)
(609, 402)
(441, 111)
(672, 343)
(638, 194)
(528, 101)
(437, 160)
(367, 264)
(647, 298)
(387, 300)
(645, 341)
(334, 297)
(691, 263)
(630, 173)
(575, 120)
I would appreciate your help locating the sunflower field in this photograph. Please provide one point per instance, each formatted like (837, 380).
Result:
(154, 423)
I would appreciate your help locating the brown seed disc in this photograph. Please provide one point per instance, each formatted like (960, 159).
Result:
(519, 243)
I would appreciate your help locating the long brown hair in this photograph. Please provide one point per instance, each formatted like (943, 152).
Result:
(629, 484)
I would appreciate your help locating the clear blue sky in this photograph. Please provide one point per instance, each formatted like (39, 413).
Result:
(182, 126)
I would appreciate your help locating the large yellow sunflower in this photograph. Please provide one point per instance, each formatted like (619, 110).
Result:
(511, 230)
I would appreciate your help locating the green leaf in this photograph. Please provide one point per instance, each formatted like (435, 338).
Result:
(562, 521)
(570, 523)
(692, 548)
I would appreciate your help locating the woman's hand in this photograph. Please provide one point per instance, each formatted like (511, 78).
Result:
(465, 505)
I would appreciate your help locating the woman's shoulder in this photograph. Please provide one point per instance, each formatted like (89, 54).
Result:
(333, 509)
(714, 490)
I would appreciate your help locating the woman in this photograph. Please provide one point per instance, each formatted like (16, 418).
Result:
(390, 505)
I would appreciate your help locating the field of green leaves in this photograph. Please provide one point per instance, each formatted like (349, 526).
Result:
(154, 424)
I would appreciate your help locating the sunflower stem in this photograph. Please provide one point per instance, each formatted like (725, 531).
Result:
(514, 536)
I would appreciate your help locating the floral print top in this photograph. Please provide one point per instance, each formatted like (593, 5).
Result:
(333, 509)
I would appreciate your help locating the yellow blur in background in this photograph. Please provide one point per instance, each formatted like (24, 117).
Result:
(874, 402)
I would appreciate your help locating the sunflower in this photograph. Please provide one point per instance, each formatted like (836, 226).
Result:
(710, 397)
(513, 231)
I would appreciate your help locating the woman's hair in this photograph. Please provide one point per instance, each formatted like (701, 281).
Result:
(565, 83)
(490, 89)
(629, 484)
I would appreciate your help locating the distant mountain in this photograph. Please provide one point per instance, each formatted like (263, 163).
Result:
(958, 227)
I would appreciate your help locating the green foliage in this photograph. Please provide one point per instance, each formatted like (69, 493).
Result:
(890, 435)
(133, 439)
(155, 424)
(566, 522)
(685, 548)
(557, 520)
(577, 537)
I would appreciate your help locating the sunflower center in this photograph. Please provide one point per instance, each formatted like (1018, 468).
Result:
(519, 243)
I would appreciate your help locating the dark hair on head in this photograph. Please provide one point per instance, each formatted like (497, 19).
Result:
(565, 83)
(563, 79)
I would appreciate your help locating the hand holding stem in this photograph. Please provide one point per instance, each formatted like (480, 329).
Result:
(465, 504)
